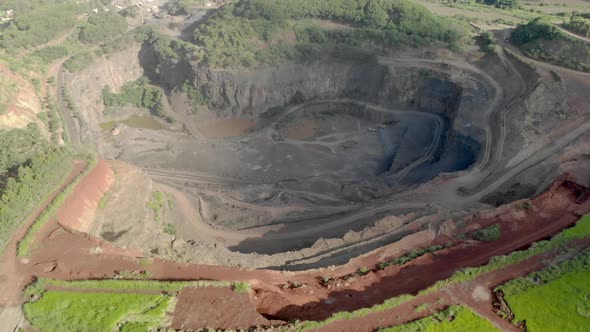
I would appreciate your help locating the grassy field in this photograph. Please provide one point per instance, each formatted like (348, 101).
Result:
(90, 312)
(453, 319)
(560, 305)
(106, 305)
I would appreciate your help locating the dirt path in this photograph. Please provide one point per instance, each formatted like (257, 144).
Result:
(70, 123)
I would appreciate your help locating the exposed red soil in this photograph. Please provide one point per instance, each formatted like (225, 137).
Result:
(215, 307)
(79, 209)
(71, 255)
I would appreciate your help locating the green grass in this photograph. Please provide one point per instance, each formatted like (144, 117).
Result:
(96, 305)
(560, 305)
(130, 285)
(461, 319)
(89, 312)
(137, 327)
(241, 287)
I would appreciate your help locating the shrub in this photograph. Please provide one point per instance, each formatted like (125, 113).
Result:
(170, 229)
(488, 234)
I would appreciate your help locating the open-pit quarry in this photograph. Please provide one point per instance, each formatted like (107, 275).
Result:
(309, 165)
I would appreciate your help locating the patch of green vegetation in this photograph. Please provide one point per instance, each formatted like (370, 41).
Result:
(30, 168)
(137, 327)
(104, 200)
(541, 40)
(170, 229)
(181, 7)
(71, 311)
(158, 205)
(145, 262)
(166, 48)
(44, 117)
(124, 285)
(139, 94)
(502, 4)
(24, 246)
(579, 24)
(38, 24)
(160, 309)
(195, 97)
(241, 287)
(51, 53)
(560, 305)
(488, 42)
(421, 307)
(488, 234)
(102, 27)
(455, 318)
(79, 61)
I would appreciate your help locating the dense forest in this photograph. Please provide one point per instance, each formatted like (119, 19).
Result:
(37, 25)
(253, 31)
(30, 168)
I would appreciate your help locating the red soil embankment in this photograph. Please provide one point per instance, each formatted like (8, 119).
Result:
(79, 209)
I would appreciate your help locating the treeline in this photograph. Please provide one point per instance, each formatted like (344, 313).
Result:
(31, 169)
(139, 93)
(38, 25)
(535, 30)
(502, 4)
(402, 15)
(245, 34)
(541, 40)
(579, 23)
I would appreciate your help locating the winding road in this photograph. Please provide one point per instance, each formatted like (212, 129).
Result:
(449, 194)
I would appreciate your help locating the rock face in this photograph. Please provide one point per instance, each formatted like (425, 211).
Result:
(248, 93)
